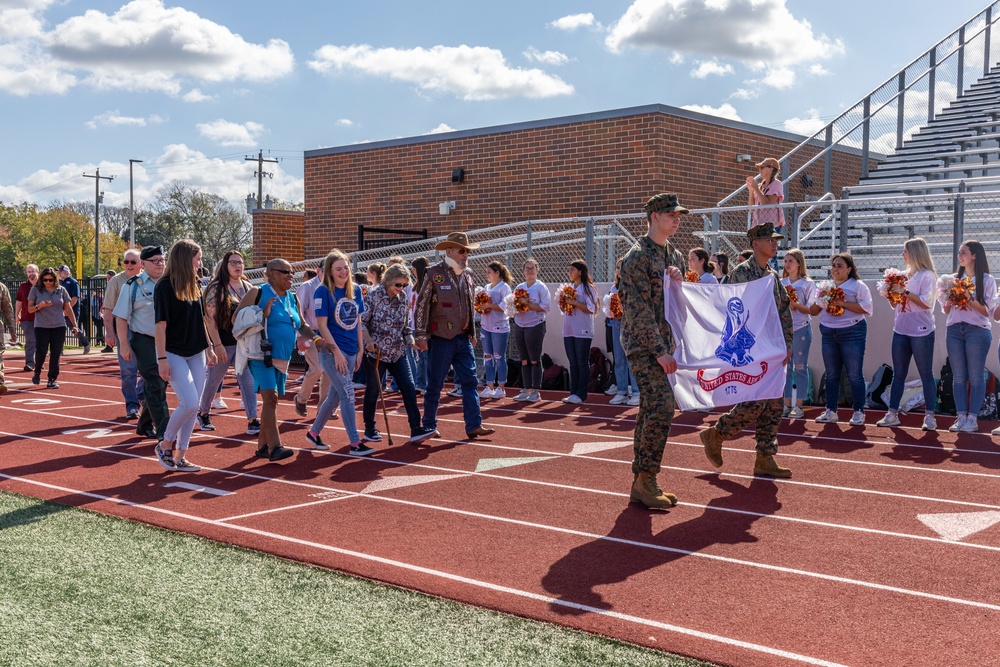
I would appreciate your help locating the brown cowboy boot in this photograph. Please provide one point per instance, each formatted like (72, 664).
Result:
(713, 445)
(645, 490)
(767, 466)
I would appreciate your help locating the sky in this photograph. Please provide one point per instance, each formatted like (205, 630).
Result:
(194, 88)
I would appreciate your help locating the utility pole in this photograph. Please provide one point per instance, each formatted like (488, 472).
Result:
(260, 175)
(131, 206)
(97, 217)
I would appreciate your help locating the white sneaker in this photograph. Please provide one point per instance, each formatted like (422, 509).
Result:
(959, 423)
(796, 413)
(891, 419)
(219, 404)
(499, 393)
(573, 399)
(971, 424)
(456, 392)
(995, 431)
(486, 393)
(522, 395)
(828, 417)
(633, 401)
(612, 390)
(618, 399)
(857, 419)
(930, 424)
(785, 411)
(533, 397)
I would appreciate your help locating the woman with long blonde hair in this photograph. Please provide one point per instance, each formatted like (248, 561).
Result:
(795, 278)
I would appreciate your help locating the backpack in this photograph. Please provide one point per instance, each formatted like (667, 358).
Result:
(553, 375)
(600, 371)
(945, 390)
(874, 389)
(846, 400)
(514, 373)
(989, 409)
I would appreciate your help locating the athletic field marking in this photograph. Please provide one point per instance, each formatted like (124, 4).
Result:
(959, 526)
(35, 401)
(401, 481)
(95, 433)
(198, 488)
(486, 465)
(332, 497)
(451, 577)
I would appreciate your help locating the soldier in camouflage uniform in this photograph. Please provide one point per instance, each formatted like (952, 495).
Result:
(649, 343)
(6, 322)
(767, 413)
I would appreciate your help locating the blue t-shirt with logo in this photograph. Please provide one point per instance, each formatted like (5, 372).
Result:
(343, 315)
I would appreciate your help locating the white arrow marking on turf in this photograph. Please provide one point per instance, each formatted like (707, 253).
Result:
(200, 489)
(97, 433)
(958, 526)
(485, 465)
(400, 481)
(592, 447)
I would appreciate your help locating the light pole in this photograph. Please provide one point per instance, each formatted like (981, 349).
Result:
(131, 206)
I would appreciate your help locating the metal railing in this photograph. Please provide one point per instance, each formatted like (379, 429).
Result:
(882, 120)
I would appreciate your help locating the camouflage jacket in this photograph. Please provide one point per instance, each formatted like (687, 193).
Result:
(751, 270)
(7, 323)
(644, 328)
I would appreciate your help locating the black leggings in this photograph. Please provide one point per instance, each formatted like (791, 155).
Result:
(46, 338)
(529, 348)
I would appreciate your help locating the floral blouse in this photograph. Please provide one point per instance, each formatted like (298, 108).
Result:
(386, 319)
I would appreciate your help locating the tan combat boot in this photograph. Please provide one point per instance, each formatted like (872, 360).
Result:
(645, 490)
(766, 465)
(713, 445)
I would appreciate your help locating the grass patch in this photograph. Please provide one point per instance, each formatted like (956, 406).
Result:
(80, 588)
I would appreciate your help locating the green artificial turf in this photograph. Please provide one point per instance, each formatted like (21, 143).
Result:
(80, 588)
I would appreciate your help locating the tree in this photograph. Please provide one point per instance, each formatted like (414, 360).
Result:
(212, 222)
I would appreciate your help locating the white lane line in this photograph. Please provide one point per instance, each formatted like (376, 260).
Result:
(593, 536)
(198, 488)
(324, 501)
(728, 641)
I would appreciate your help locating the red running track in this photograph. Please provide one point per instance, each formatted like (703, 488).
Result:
(877, 552)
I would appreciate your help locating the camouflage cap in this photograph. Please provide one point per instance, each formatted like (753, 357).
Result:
(765, 230)
(666, 202)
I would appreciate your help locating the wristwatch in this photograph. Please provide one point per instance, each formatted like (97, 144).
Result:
(906, 292)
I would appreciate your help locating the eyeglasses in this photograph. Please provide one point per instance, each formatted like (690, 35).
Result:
(462, 251)
(399, 285)
(130, 261)
(284, 271)
(156, 261)
(48, 280)
(235, 262)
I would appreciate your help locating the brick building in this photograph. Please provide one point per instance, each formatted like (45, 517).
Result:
(594, 164)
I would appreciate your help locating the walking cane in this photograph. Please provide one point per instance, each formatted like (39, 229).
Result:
(381, 396)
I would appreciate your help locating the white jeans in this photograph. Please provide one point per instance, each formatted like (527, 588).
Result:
(187, 379)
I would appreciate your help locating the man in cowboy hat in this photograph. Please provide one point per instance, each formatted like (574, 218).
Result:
(444, 325)
(766, 413)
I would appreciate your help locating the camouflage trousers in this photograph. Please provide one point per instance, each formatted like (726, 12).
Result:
(767, 414)
(656, 413)
(1, 365)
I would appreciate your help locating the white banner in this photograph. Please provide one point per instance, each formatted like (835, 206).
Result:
(730, 348)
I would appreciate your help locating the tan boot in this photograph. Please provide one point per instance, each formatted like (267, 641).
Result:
(766, 465)
(713, 445)
(645, 490)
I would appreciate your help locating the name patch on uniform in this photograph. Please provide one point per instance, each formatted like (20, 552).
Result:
(444, 287)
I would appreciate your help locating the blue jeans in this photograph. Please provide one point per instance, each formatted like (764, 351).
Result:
(400, 370)
(623, 374)
(456, 353)
(420, 372)
(131, 382)
(845, 349)
(341, 391)
(495, 357)
(967, 347)
(798, 368)
(578, 353)
(921, 348)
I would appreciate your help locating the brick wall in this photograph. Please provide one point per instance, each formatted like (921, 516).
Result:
(278, 234)
(603, 165)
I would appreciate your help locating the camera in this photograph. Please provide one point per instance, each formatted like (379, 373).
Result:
(265, 347)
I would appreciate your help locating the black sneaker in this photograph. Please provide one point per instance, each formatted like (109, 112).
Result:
(300, 408)
(361, 449)
(52, 384)
(421, 434)
(36, 379)
(204, 422)
(132, 414)
(183, 465)
(27, 369)
(108, 350)
(146, 433)
(316, 441)
(253, 427)
(166, 460)
(280, 453)
(372, 435)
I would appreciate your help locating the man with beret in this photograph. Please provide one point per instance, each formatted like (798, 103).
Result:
(73, 287)
(132, 386)
(135, 320)
(444, 326)
(767, 412)
(648, 342)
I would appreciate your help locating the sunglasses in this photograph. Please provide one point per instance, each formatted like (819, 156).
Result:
(48, 280)
(462, 251)
(130, 261)
(399, 285)
(156, 261)
(284, 271)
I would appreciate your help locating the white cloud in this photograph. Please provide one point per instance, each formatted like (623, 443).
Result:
(115, 119)
(779, 77)
(194, 95)
(345, 122)
(724, 111)
(676, 58)
(441, 129)
(226, 133)
(143, 46)
(806, 126)
(546, 57)
(818, 70)
(574, 21)
(469, 72)
(709, 68)
(745, 94)
(741, 29)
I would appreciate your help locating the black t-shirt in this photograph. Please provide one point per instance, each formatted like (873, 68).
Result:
(185, 320)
